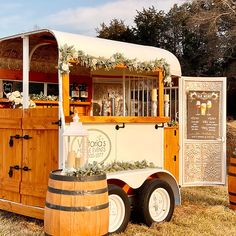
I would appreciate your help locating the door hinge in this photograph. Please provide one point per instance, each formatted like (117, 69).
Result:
(59, 123)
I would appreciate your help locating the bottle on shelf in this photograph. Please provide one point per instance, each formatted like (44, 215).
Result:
(75, 92)
(83, 92)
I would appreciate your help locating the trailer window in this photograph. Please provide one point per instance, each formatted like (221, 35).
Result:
(52, 89)
(139, 95)
(36, 88)
(173, 93)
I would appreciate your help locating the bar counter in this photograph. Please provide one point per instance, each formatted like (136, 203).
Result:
(121, 119)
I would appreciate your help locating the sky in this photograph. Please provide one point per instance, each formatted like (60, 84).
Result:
(75, 16)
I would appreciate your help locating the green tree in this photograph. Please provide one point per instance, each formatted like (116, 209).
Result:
(150, 27)
(116, 30)
(216, 19)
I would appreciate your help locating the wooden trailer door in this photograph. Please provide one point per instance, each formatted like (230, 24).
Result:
(40, 154)
(171, 150)
(203, 130)
(10, 153)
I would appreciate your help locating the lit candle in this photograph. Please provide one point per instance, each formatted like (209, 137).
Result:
(154, 95)
(71, 159)
(166, 98)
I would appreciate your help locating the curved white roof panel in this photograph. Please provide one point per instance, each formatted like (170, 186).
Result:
(106, 48)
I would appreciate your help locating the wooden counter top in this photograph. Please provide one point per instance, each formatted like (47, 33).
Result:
(46, 102)
(120, 119)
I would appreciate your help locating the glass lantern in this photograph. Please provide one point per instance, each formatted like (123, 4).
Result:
(75, 141)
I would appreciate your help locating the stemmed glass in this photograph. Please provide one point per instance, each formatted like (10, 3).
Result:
(198, 105)
(209, 106)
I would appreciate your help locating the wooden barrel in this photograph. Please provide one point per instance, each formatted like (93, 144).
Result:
(76, 205)
(232, 182)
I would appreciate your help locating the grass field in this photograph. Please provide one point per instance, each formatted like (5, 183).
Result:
(204, 211)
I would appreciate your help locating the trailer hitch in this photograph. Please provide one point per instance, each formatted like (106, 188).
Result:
(17, 167)
(17, 136)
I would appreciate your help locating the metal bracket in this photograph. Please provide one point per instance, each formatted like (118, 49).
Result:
(17, 136)
(159, 126)
(120, 127)
(17, 167)
(59, 123)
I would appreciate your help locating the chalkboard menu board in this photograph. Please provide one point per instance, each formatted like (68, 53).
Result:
(203, 115)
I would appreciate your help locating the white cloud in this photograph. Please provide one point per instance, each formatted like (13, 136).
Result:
(84, 20)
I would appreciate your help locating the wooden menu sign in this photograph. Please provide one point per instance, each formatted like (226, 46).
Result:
(203, 115)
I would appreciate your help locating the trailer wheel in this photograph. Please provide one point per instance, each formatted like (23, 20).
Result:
(119, 209)
(156, 201)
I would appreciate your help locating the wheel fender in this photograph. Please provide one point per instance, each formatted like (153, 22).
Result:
(135, 179)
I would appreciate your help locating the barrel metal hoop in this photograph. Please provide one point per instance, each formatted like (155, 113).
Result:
(231, 174)
(232, 164)
(55, 176)
(77, 192)
(74, 209)
(233, 203)
(232, 194)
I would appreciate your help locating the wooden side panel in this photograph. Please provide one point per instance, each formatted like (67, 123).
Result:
(10, 118)
(40, 154)
(171, 150)
(10, 125)
(11, 113)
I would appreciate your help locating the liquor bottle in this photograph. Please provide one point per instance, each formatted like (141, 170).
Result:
(108, 105)
(83, 92)
(75, 92)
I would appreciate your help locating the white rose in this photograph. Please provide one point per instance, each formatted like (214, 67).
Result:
(112, 59)
(168, 80)
(94, 61)
(18, 101)
(16, 94)
(32, 104)
(11, 98)
(75, 55)
(65, 67)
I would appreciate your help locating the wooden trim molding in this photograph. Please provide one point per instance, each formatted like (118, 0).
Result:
(121, 119)
(31, 211)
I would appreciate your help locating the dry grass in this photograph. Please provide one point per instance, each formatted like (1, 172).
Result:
(204, 211)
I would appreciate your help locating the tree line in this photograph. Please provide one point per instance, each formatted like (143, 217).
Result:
(201, 33)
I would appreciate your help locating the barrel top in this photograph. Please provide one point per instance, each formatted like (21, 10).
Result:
(60, 175)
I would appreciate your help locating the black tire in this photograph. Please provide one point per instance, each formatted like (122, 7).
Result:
(119, 200)
(163, 210)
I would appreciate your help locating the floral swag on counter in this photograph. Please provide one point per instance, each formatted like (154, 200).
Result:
(68, 54)
(16, 99)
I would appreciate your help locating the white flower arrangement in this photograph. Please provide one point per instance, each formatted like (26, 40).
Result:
(68, 54)
(16, 98)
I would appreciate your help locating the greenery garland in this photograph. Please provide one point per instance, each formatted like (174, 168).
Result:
(68, 54)
(98, 169)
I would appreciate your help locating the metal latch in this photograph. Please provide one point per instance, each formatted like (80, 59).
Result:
(17, 167)
(17, 136)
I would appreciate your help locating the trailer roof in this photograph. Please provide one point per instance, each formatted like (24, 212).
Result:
(98, 47)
